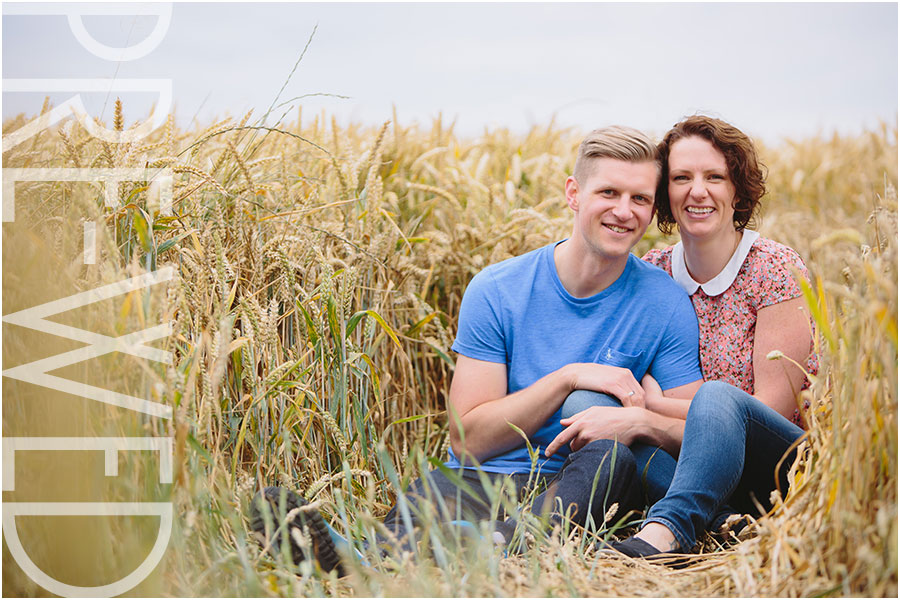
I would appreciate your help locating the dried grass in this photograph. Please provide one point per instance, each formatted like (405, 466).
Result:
(320, 275)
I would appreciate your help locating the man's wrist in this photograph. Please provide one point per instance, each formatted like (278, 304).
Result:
(568, 376)
(644, 425)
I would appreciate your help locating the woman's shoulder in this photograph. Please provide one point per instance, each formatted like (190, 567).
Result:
(771, 270)
(660, 257)
(771, 252)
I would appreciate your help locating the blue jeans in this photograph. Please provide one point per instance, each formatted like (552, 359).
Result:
(610, 463)
(655, 466)
(730, 452)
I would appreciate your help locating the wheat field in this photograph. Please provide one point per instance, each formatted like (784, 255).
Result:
(318, 275)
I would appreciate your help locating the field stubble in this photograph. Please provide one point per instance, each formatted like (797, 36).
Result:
(320, 272)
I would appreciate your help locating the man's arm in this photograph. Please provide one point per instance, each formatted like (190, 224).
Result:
(676, 359)
(481, 411)
(628, 425)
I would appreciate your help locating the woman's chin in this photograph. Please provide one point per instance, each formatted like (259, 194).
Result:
(702, 231)
(695, 232)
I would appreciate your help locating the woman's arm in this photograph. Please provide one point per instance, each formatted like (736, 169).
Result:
(784, 327)
(673, 404)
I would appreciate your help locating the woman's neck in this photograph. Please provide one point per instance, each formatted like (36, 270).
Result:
(705, 258)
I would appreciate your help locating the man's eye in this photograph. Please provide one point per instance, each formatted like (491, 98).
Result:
(608, 192)
(642, 199)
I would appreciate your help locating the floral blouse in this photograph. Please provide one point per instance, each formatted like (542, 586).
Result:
(757, 276)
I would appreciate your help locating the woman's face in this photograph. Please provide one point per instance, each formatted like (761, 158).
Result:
(701, 193)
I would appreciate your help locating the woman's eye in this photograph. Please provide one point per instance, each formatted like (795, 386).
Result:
(717, 177)
(679, 178)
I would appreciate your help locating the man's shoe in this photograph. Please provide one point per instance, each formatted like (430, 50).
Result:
(291, 522)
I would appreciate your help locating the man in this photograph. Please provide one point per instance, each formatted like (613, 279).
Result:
(581, 314)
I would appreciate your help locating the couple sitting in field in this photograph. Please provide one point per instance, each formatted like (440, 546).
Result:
(600, 358)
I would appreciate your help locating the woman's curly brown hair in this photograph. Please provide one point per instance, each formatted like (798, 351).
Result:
(746, 172)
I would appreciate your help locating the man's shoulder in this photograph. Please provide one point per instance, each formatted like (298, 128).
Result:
(651, 274)
(512, 268)
(654, 294)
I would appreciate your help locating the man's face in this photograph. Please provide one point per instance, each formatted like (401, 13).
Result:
(613, 205)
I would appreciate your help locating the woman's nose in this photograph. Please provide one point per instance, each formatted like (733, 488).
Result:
(698, 188)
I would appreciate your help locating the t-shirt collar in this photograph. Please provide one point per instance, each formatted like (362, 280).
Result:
(726, 276)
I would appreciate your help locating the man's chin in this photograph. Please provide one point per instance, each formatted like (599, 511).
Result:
(621, 245)
(614, 252)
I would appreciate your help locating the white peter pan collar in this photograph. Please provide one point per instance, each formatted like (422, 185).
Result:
(726, 276)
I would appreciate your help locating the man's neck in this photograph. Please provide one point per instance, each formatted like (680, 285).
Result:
(585, 273)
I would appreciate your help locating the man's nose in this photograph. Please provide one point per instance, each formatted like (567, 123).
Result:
(622, 209)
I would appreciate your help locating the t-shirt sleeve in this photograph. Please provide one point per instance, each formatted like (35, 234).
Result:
(773, 272)
(479, 331)
(677, 360)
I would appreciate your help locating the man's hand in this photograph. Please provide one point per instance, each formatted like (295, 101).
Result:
(616, 381)
(598, 423)
(481, 407)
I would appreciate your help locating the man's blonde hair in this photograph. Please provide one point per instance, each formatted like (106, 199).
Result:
(616, 141)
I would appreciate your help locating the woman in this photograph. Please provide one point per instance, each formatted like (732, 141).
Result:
(748, 304)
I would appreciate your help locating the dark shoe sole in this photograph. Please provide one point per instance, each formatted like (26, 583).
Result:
(279, 503)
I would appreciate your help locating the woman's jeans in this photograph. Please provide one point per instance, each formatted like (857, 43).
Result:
(731, 449)
(655, 466)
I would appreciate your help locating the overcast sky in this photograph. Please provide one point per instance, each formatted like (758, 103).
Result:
(774, 70)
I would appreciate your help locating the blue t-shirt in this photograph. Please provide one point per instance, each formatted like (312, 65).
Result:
(517, 312)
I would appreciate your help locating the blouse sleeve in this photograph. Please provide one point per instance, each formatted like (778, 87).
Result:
(774, 271)
(656, 257)
(652, 256)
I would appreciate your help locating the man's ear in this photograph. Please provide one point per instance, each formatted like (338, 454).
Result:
(572, 192)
